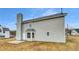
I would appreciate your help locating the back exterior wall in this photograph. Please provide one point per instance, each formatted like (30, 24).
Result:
(55, 27)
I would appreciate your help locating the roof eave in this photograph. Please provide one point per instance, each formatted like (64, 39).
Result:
(45, 18)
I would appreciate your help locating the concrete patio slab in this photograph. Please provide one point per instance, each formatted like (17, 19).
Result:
(15, 42)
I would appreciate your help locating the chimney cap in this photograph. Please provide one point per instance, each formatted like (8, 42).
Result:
(19, 14)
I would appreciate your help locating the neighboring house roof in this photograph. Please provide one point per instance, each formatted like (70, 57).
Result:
(76, 30)
(45, 18)
(5, 29)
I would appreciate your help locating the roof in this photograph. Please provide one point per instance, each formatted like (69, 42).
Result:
(5, 29)
(58, 15)
(76, 30)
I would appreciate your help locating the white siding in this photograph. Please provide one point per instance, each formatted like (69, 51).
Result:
(1, 33)
(55, 27)
(73, 32)
(7, 34)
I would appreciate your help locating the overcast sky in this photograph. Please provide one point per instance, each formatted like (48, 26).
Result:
(8, 15)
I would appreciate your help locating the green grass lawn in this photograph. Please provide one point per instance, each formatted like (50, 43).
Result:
(72, 44)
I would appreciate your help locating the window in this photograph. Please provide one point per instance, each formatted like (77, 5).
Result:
(3, 31)
(0, 30)
(28, 35)
(32, 35)
(47, 33)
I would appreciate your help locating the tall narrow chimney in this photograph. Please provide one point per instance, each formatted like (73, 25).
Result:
(19, 26)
